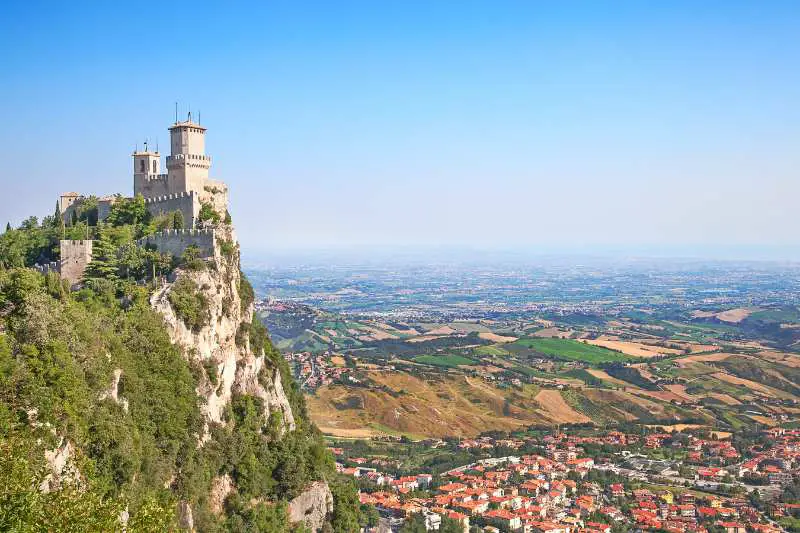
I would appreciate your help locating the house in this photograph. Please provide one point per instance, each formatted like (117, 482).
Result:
(473, 507)
(596, 526)
(503, 518)
(733, 527)
(548, 527)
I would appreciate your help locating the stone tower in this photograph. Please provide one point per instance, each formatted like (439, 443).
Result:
(187, 163)
(75, 256)
(147, 178)
(186, 186)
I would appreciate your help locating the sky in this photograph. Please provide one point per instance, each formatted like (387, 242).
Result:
(497, 124)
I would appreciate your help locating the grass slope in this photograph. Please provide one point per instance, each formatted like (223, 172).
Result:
(573, 350)
(447, 361)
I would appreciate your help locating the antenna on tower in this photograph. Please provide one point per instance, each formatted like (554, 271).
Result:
(198, 117)
(156, 144)
(176, 112)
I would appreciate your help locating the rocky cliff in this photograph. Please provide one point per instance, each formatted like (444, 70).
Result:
(152, 395)
(233, 367)
(218, 345)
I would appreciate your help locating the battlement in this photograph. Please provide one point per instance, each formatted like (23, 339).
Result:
(175, 241)
(78, 244)
(183, 158)
(171, 232)
(168, 197)
(156, 177)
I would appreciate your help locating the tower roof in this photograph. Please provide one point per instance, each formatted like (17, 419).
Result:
(187, 124)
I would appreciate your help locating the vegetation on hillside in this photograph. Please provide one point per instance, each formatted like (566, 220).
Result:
(135, 444)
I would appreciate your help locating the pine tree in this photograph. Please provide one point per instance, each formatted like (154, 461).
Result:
(8, 226)
(177, 220)
(105, 263)
(58, 221)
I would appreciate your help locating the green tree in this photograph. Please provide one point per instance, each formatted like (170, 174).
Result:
(414, 524)
(128, 211)
(207, 214)
(346, 515)
(177, 220)
(105, 264)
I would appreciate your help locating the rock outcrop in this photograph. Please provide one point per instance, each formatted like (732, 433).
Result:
(312, 506)
(237, 369)
(231, 367)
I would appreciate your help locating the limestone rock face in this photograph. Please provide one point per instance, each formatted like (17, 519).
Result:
(312, 506)
(237, 368)
(221, 487)
(59, 465)
(185, 516)
(230, 367)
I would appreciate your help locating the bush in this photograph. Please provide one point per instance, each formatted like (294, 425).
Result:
(207, 214)
(190, 305)
(246, 293)
(191, 260)
(228, 248)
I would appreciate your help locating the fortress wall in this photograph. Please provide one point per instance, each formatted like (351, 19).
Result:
(75, 255)
(103, 208)
(175, 241)
(150, 186)
(187, 203)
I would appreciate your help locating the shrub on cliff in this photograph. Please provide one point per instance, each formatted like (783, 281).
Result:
(189, 303)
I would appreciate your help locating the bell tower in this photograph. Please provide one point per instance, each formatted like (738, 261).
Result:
(146, 168)
(187, 163)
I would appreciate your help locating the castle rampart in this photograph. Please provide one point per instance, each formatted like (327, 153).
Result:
(175, 241)
(188, 203)
(75, 256)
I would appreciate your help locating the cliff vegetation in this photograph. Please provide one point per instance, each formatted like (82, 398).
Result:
(150, 397)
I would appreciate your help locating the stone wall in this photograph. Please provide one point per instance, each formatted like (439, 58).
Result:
(175, 241)
(104, 205)
(75, 255)
(187, 203)
(150, 185)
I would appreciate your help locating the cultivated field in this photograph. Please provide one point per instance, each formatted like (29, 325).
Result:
(572, 350)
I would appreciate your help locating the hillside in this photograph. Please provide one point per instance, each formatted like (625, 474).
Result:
(149, 396)
(367, 376)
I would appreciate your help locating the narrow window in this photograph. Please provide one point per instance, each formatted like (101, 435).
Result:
(155, 169)
(141, 165)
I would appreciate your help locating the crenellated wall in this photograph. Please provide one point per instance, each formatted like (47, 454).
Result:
(187, 203)
(150, 185)
(175, 241)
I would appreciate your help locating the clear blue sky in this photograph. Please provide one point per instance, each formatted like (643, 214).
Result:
(486, 123)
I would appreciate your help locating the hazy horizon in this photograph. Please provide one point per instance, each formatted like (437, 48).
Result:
(254, 258)
(488, 125)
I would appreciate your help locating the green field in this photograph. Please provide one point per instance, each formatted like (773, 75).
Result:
(492, 350)
(448, 361)
(572, 350)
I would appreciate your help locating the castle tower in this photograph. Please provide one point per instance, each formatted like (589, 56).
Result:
(187, 163)
(147, 178)
(75, 256)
